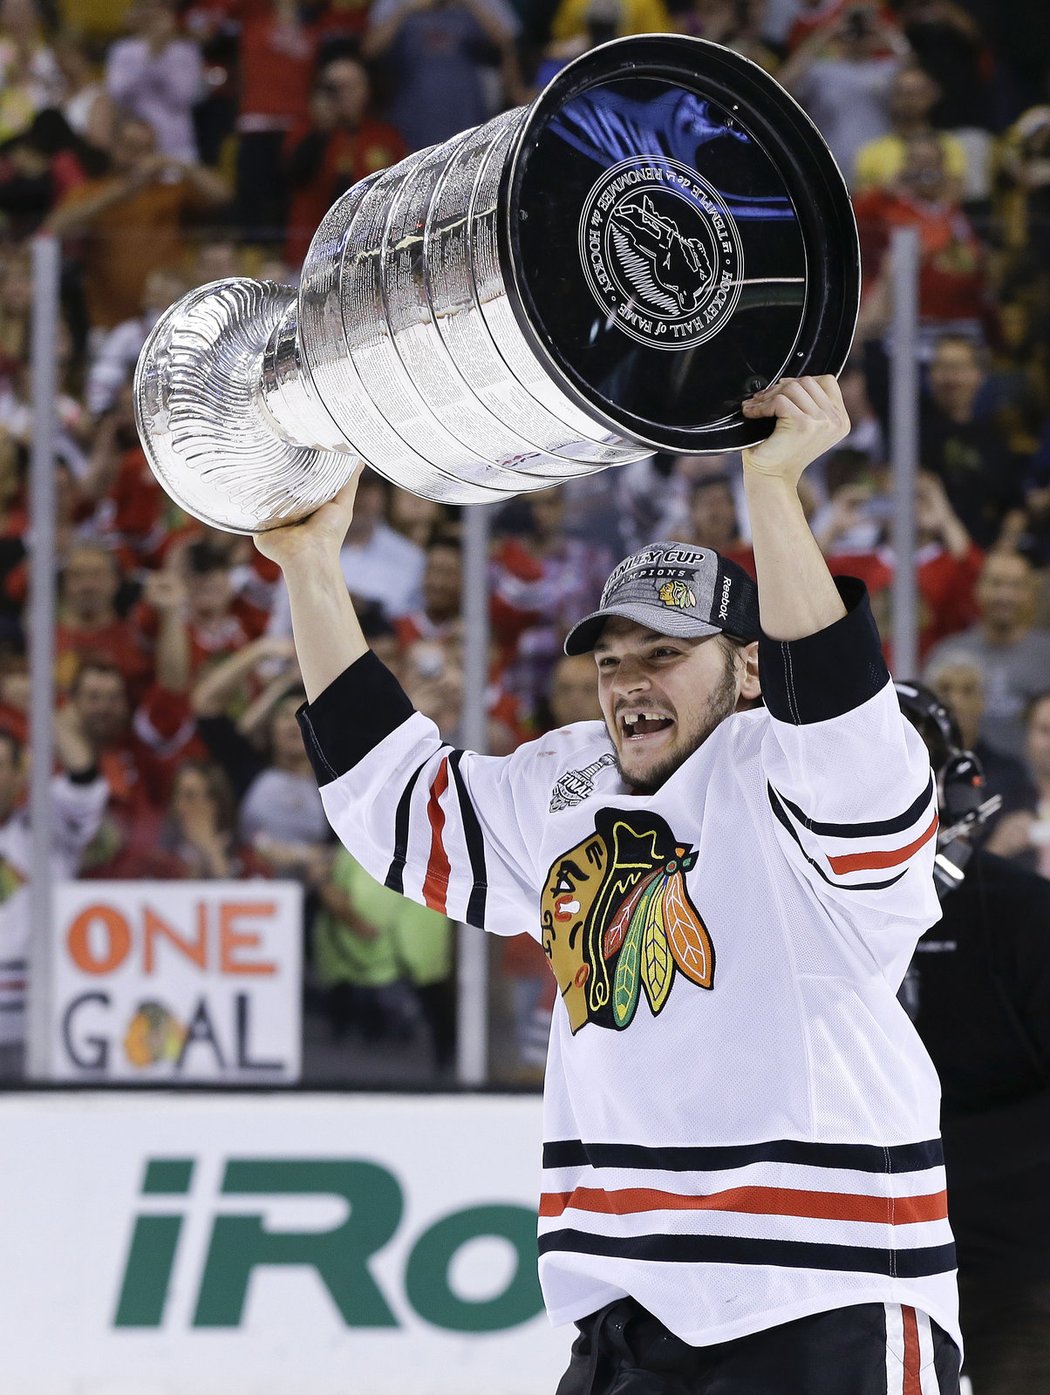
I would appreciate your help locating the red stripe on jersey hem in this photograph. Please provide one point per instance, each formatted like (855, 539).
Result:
(912, 1379)
(435, 884)
(756, 1201)
(859, 862)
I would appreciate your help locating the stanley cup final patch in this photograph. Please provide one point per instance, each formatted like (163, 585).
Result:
(575, 785)
(661, 252)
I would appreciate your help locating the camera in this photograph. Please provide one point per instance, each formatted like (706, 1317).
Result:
(859, 22)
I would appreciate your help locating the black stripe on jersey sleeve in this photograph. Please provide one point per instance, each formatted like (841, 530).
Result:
(475, 842)
(782, 817)
(878, 829)
(828, 673)
(352, 716)
(395, 876)
(738, 1249)
(855, 1157)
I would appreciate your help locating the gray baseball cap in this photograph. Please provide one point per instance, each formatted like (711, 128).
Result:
(674, 589)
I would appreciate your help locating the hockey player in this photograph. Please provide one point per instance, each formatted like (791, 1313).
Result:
(743, 1182)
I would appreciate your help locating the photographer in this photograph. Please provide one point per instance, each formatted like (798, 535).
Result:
(441, 57)
(843, 77)
(343, 143)
(158, 75)
(134, 219)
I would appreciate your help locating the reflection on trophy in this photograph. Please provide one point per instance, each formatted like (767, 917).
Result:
(606, 272)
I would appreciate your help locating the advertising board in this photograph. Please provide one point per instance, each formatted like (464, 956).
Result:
(242, 1244)
(176, 981)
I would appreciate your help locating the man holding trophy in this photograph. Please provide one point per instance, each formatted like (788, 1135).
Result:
(743, 1181)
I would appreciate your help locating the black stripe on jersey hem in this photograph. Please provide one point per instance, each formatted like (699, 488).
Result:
(826, 674)
(856, 1157)
(475, 842)
(395, 876)
(738, 1249)
(878, 829)
(782, 817)
(357, 711)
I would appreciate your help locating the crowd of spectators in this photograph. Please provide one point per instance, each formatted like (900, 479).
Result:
(169, 144)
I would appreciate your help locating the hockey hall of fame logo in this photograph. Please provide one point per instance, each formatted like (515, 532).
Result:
(661, 252)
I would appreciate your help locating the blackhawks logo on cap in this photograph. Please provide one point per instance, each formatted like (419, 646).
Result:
(618, 923)
(676, 593)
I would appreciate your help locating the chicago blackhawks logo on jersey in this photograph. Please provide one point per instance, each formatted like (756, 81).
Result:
(618, 923)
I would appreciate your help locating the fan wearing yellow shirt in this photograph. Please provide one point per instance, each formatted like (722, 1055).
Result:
(573, 18)
(880, 161)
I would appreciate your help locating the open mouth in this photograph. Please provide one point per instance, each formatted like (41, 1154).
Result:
(636, 725)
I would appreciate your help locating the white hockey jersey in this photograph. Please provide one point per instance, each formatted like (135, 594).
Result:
(77, 808)
(740, 1123)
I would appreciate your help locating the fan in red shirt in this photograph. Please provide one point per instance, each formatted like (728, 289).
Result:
(343, 143)
(439, 616)
(15, 695)
(89, 624)
(218, 621)
(430, 644)
(138, 521)
(947, 561)
(132, 512)
(277, 50)
(138, 754)
(953, 277)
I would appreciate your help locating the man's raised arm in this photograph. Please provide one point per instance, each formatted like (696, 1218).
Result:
(796, 593)
(848, 779)
(328, 638)
(450, 829)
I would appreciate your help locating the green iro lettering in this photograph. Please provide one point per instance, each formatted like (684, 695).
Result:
(151, 1255)
(426, 1278)
(340, 1256)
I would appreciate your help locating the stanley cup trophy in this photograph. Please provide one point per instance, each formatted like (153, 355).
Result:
(606, 272)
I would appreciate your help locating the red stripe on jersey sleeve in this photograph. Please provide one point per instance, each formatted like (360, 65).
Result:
(435, 884)
(858, 862)
(757, 1201)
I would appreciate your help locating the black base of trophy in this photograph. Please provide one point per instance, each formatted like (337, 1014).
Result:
(679, 236)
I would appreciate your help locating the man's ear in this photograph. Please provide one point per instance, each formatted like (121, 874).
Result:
(750, 688)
